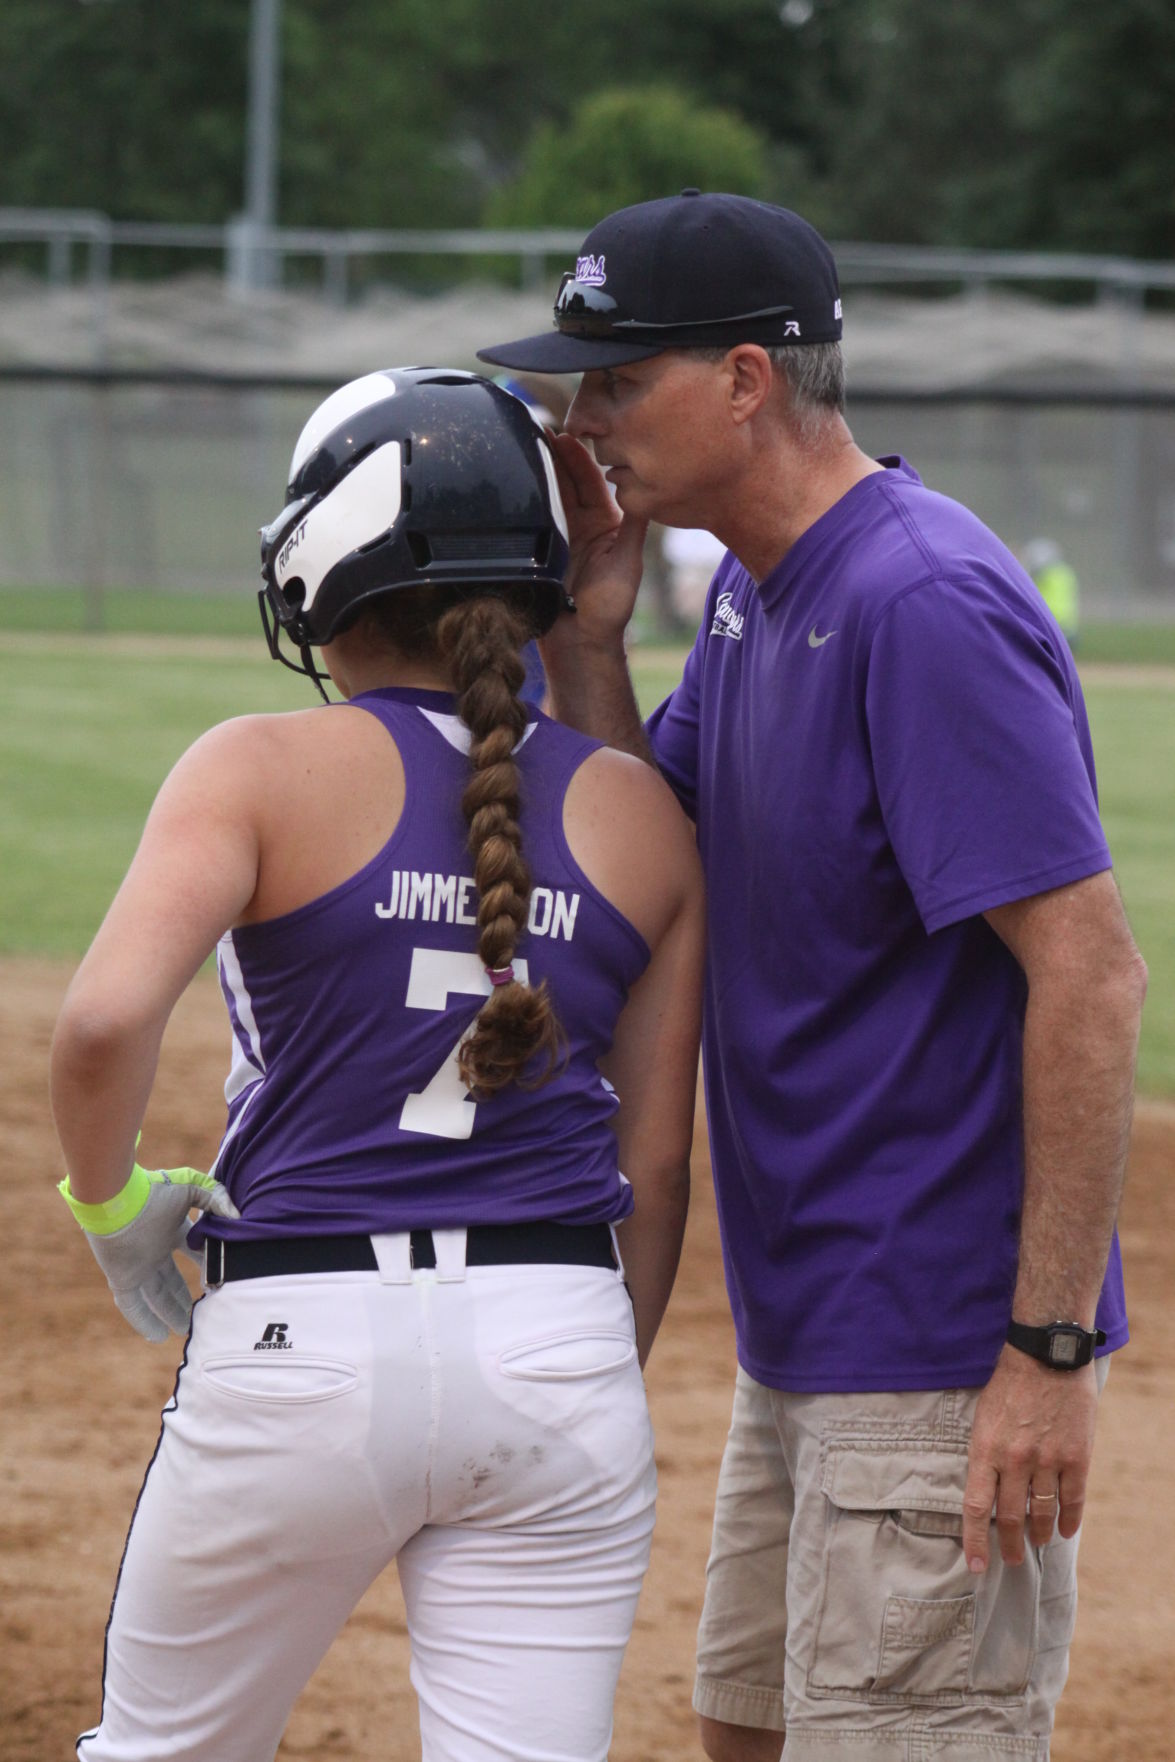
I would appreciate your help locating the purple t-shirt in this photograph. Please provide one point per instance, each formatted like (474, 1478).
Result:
(881, 741)
(346, 1111)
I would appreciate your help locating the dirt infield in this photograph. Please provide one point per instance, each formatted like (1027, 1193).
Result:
(81, 1397)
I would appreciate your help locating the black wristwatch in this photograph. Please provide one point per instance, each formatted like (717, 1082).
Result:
(1062, 1346)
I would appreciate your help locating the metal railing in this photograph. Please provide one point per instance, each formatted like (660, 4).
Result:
(253, 255)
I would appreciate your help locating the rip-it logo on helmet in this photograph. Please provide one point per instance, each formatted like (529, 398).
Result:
(289, 548)
(412, 477)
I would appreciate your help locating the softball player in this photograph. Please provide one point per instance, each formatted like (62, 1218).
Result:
(460, 950)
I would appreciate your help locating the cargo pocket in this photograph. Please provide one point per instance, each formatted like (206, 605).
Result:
(902, 1620)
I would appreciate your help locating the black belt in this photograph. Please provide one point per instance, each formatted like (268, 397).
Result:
(485, 1245)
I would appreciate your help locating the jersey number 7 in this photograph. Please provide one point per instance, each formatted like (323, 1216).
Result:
(444, 1108)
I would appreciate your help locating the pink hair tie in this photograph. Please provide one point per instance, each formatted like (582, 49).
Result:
(501, 975)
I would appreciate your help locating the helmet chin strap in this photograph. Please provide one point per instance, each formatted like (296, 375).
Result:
(273, 639)
(309, 668)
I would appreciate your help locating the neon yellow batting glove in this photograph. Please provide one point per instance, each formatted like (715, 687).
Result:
(136, 1235)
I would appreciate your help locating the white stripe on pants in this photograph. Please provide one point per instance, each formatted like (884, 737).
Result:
(487, 1431)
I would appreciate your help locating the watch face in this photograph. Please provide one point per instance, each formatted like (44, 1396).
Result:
(1063, 1348)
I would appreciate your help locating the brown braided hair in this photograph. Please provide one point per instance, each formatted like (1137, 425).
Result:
(479, 639)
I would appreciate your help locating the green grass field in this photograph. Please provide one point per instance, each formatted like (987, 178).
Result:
(123, 610)
(138, 610)
(88, 728)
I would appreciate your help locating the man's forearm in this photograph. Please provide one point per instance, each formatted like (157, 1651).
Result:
(1079, 1062)
(1032, 1437)
(591, 690)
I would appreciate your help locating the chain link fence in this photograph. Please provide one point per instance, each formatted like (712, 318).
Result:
(164, 484)
(153, 462)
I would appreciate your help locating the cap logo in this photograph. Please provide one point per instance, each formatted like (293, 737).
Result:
(836, 311)
(590, 271)
(791, 328)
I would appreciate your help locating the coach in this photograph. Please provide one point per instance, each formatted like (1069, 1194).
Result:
(922, 1004)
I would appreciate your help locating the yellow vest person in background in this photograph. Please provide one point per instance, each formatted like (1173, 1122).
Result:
(1058, 584)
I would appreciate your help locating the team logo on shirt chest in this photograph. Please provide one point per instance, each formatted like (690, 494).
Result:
(726, 621)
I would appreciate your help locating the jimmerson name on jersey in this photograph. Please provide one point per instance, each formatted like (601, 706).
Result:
(452, 899)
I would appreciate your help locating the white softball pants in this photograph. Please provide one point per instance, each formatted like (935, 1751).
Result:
(485, 1428)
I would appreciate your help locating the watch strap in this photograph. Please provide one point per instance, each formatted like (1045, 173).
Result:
(1062, 1345)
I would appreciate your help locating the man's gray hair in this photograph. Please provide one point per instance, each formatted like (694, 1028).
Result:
(815, 374)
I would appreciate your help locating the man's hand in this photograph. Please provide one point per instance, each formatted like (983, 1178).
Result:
(1031, 1445)
(583, 654)
(136, 1235)
(607, 547)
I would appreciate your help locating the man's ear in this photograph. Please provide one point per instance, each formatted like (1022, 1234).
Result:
(751, 377)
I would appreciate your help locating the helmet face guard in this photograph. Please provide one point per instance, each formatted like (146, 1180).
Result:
(412, 477)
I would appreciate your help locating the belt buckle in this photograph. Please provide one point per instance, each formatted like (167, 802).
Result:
(213, 1259)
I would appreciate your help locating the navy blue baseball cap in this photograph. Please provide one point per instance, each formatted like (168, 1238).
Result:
(687, 271)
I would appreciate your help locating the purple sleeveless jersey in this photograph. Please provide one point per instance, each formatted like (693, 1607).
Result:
(880, 742)
(346, 1112)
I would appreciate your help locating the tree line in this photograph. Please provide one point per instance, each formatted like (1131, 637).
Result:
(1015, 124)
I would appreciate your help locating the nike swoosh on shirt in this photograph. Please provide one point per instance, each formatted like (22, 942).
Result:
(814, 641)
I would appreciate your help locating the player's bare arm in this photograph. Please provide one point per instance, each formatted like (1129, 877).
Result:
(584, 653)
(645, 861)
(654, 1068)
(1034, 1425)
(193, 874)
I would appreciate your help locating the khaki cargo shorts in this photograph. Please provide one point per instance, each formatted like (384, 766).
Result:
(839, 1607)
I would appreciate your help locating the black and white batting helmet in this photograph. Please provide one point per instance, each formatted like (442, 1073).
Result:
(409, 477)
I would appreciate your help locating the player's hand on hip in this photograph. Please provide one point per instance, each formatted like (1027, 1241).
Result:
(136, 1235)
(1031, 1445)
(607, 547)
